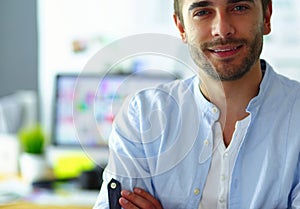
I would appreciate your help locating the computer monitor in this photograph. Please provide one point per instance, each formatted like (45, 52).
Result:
(85, 105)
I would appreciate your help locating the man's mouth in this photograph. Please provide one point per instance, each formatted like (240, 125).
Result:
(225, 51)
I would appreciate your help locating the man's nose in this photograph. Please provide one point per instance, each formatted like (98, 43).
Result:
(222, 26)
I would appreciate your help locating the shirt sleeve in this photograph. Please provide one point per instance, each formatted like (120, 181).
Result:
(296, 191)
(127, 161)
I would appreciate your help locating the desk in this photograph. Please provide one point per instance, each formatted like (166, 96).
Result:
(26, 205)
(15, 194)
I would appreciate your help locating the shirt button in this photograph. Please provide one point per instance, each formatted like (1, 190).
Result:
(206, 142)
(113, 185)
(223, 177)
(214, 110)
(196, 191)
(225, 155)
(221, 200)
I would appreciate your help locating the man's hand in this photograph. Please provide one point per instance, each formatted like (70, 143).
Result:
(138, 199)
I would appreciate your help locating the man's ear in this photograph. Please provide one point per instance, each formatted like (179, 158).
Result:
(180, 27)
(267, 20)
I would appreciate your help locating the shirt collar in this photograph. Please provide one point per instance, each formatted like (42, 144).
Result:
(208, 109)
(264, 87)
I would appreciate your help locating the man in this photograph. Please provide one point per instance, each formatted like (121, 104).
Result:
(240, 144)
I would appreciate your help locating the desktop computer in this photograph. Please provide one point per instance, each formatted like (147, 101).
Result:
(84, 109)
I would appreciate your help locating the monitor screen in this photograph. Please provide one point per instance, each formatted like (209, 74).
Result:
(85, 105)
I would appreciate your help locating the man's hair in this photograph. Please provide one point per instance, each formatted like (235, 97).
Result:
(178, 7)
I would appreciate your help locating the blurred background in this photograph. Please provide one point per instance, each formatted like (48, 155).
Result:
(45, 45)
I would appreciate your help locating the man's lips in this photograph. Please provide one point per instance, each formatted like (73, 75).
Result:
(225, 51)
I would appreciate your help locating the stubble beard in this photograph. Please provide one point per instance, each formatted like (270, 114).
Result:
(226, 71)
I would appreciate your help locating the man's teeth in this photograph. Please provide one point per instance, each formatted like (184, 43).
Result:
(225, 50)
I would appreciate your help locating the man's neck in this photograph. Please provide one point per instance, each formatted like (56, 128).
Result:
(232, 97)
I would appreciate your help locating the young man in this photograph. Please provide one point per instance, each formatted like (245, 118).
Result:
(232, 131)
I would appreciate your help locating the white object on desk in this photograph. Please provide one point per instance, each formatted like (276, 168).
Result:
(9, 154)
(34, 167)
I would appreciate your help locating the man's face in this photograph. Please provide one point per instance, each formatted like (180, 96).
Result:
(225, 37)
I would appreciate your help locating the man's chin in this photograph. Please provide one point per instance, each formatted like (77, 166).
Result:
(227, 72)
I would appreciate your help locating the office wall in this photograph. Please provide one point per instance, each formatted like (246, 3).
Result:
(94, 22)
(18, 46)
(282, 46)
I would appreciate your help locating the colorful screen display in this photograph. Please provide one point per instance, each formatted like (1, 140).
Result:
(85, 105)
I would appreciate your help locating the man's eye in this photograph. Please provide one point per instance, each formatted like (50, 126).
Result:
(240, 8)
(201, 13)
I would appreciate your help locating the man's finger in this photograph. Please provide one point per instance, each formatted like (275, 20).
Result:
(135, 200)
(148, 197)
(126, 204)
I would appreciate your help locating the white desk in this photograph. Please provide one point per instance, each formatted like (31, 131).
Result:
(14, 193)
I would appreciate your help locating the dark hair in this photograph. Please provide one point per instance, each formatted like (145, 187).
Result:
(178, 7)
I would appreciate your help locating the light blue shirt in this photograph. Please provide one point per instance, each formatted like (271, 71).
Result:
(162, 141)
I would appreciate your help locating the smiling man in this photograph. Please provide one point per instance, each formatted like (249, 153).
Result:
(225, 39)
(234, 125)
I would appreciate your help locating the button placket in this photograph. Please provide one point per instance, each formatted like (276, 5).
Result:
(206, 150)
(223, 178)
